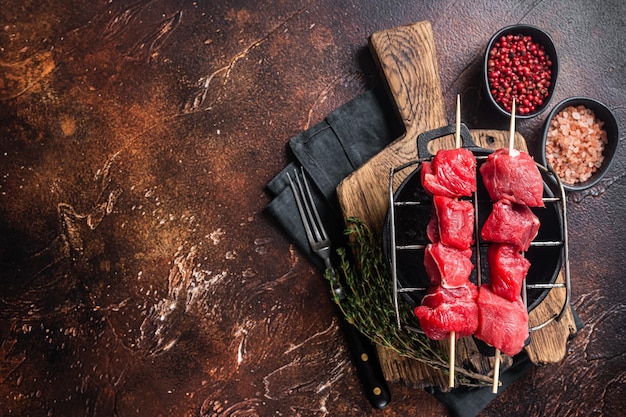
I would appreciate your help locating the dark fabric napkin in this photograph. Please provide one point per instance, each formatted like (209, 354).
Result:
(329, 152)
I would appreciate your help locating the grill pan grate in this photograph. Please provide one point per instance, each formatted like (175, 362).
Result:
(401, 245)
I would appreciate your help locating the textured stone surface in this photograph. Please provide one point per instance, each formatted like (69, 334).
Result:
(139, 274)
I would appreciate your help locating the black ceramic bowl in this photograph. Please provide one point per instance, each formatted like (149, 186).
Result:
(602, 113)
(538, 36)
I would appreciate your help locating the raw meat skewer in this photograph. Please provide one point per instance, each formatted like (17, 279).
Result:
(511, 174)
(496, 367)
(449, 309)
(453, 333)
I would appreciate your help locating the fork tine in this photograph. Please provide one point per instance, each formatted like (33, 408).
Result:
(301, 209)
(315, 231)
(307, 207)
(319, 228)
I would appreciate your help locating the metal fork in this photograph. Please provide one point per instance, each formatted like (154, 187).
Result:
(361, 349)
(315, 232)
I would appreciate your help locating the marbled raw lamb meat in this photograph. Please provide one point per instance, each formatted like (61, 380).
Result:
(502, 324)
(445, 310)
(452, 173)
(507, 270)
(455, 221)
(447, 266)
(514, 177)
(511, 223)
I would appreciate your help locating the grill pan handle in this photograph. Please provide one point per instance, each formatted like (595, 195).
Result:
(425, 138)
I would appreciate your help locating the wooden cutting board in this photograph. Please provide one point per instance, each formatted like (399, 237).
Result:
(406, 57)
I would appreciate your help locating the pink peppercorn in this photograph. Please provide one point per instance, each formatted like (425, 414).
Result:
(518, 67)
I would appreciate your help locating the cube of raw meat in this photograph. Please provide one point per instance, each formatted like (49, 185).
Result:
(502, 324)
(455, 221)
(514, 177)
(447, 266)
(511, 223)
(452, 173)
(446, 310)
(507, 270)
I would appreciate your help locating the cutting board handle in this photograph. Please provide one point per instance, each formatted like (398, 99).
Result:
(406, 56)
(425, 138)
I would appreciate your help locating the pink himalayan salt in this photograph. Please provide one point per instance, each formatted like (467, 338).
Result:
(575, 144)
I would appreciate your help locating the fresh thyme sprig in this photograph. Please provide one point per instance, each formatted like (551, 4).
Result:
(369, 304)
(369, 301)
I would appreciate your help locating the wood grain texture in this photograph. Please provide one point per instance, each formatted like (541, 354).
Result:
(407, 58)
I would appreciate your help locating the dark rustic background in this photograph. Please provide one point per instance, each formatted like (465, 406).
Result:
(139, 274)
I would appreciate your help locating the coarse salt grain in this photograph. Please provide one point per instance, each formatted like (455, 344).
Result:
(575, 144)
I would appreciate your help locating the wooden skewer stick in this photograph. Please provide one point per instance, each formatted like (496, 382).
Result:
(496, 373)
(458, 121)
(496, 367)
(512, 129)
(453, 333)
(452, 358)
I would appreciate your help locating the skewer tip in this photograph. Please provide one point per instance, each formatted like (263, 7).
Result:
(458, 121)
(452, 358)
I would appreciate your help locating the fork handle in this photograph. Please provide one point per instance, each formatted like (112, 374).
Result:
(365, 359)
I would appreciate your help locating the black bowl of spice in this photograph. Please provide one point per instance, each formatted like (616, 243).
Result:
(520, 62)
(579, 141)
